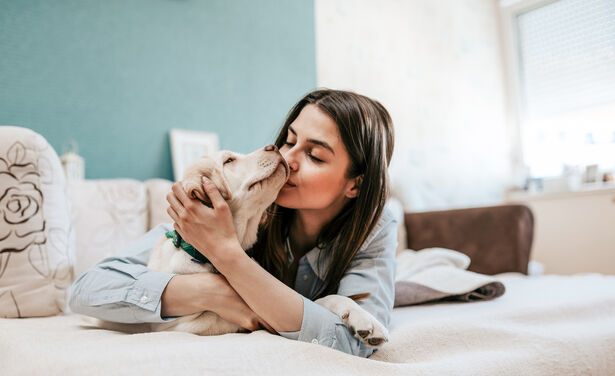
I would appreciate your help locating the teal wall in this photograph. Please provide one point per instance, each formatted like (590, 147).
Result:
(116, 75)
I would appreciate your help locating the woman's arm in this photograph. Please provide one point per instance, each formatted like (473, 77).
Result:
(191, 293)
(279, 305)
(371, 270)
(284, 309)
(121, 288)
(186, 294)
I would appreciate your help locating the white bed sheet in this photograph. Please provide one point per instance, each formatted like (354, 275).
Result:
(543, 325)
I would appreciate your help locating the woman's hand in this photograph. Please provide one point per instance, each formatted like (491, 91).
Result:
(231, 307)
(210, 230)
(186, 294)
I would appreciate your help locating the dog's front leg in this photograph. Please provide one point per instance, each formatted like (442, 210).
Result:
(361, 323)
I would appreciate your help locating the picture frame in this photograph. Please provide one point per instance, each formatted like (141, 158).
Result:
(188, 145)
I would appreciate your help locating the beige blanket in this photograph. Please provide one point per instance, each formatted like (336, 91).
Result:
(439, 274)
(548, 325)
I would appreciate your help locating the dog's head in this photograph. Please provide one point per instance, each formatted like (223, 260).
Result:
(249, 184)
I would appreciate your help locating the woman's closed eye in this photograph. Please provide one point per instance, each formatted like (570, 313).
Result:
(315, 159)
(309, 153)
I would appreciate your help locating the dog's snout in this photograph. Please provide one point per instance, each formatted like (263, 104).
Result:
(271, 148)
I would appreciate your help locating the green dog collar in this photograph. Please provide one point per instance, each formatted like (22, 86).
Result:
(178, 242)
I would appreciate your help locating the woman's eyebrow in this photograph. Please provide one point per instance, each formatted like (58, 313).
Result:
(313, 141)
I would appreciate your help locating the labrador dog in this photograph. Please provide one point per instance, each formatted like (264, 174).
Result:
(249, 184)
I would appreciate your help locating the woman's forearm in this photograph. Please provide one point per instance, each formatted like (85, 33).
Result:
(186, 294)
(279, 305)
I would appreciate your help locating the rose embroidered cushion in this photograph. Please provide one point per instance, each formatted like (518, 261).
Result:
(36, 238)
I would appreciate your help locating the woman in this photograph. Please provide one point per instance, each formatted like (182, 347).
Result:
(326, 233)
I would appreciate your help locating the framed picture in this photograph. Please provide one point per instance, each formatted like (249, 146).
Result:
(187, 146)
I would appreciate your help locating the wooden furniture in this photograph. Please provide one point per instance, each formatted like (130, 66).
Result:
(575, 231)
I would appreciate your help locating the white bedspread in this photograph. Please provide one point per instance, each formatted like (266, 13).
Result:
(547, 325)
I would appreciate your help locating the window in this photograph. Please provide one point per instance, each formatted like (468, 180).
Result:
(566, 66)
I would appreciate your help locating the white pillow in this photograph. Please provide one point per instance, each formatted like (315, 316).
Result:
(107, 214)
(36, 237)
(397, 209)
(157, 190)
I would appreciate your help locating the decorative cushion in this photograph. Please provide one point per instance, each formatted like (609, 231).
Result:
(157, 190)
(36, 237)
(107, 214)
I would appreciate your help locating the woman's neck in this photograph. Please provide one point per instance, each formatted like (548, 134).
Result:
(306, 227)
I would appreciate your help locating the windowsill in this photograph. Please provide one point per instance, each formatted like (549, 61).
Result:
(584, 190)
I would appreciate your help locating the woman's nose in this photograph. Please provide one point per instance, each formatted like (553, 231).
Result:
(271, 148)
(289, 156)
(290, 159)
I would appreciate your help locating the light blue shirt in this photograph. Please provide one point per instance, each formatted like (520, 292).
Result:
(122, 289)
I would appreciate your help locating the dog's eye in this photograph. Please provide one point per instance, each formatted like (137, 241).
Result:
(229, 160)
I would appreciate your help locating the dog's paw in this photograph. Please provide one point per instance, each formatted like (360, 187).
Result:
(365, 327)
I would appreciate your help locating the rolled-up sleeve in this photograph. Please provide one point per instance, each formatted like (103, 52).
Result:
(121, 288)
(372, 270)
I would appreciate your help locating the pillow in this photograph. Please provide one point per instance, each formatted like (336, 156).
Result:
(107, 214)
(36, 237)
(398, 212)
(157, 190)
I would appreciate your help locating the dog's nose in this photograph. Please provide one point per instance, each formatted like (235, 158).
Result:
(271, 148)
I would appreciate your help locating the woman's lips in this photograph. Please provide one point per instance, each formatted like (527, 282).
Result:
(288, 185)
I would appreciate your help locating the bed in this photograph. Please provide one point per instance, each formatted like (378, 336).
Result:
(543, 325)
(540, 325)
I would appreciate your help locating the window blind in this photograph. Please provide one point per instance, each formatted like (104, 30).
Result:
(567, 56)
(566, 52)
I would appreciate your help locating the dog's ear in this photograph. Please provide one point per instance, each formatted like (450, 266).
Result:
(193, 183)
(360, 296)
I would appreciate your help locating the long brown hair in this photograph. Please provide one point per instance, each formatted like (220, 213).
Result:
(367, 132)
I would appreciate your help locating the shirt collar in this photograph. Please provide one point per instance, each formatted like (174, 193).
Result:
(312, 259)
(314, 253)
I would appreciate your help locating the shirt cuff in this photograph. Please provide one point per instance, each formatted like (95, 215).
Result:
(321, 326)
(146, 293)
(317, 326)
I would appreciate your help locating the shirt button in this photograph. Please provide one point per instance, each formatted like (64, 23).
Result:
(315, 341)
(305, 277)
(144, 299)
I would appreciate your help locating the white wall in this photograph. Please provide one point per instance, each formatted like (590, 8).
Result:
(436, 65)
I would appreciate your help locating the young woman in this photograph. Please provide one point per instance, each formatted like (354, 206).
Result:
(327, 233)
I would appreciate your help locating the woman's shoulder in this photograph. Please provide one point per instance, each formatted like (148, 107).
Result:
(385, 231)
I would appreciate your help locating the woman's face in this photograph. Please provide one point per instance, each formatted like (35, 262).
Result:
(318, 162)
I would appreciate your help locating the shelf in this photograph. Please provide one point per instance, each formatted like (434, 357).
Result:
(585, 190)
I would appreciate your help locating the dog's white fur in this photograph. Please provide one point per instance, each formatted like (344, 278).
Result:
(249, 184)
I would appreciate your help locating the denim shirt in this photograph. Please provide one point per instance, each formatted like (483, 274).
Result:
(122, 289)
